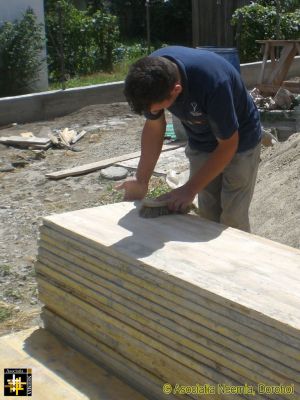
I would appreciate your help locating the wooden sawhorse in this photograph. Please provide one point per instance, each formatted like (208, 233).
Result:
(279, 67)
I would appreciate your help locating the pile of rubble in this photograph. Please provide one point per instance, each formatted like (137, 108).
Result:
(283, 99)
(61, 138)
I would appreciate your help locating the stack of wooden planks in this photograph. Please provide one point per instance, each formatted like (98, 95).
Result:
(32, 141)
(177, 301)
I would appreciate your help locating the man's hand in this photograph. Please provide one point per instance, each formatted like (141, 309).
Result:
(134, 190)
(179, 199)
(152, 140)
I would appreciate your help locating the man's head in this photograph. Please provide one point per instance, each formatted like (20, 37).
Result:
(152, 83)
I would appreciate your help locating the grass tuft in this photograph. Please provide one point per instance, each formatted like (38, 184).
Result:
(5, 312)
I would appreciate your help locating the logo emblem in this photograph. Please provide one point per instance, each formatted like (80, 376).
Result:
(194, 111)
(17, 382)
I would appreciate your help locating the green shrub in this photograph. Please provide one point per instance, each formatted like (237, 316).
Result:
(259, 22)
(284, 5)
(130, 53)
(5, 312)
(86, 38)
(20, 45)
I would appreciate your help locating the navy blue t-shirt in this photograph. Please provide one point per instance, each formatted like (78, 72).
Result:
(214, 102)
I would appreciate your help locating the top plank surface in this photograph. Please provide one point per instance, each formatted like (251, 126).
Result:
(258, 274)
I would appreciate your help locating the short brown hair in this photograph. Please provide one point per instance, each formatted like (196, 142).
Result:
(149, 80)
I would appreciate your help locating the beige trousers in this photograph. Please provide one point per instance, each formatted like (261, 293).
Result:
(227, 198)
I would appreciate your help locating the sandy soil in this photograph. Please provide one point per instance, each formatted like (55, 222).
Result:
(275, 209)
(26, 195)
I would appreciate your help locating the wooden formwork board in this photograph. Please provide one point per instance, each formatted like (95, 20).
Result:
(113, 269)
(147, 338)
(175, 329)
(256, 274)
(179, 297)
(199, 348)
(104, 354)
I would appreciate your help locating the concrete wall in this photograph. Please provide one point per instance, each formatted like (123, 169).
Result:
(250, 71)
(11, 10)
(47, 105)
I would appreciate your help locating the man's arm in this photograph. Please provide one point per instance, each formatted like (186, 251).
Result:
(151, 144)
(180, 198)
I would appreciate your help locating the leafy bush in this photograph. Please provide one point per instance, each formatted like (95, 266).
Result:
(259, 22)
(86, 38)
(130, 53)
(20, 45)
(284, 5)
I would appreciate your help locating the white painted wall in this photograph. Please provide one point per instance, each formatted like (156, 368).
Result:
(11, 10)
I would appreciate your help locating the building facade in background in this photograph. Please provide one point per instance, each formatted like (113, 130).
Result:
(12, 10)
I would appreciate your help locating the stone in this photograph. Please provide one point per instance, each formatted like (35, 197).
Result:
(70, 153)
(92, 128)
(7, 168)
(114, 173)
(37, 154)
(20, 163)
(268, 139)
(94, 138)
(76, 149)
(284, 99)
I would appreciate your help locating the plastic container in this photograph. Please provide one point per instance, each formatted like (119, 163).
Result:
(229, 53)
(179, 129)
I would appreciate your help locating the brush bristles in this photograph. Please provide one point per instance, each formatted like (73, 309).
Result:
(153, 208)
(154, 212)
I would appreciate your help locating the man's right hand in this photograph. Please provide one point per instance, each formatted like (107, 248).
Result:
(151, 144)
(134, 189)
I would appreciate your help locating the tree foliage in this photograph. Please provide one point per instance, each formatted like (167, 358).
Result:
(170, 21)
(265, 20)
(85, 39)
(284, 5)
(21, 43)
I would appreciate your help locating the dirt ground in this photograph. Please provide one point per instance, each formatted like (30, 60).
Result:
(27, 195)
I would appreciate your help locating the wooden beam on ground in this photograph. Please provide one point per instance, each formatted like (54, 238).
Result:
(170, 160)
(91, 167)
(26, 142)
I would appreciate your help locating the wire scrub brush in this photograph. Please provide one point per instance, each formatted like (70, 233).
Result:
(153, 208)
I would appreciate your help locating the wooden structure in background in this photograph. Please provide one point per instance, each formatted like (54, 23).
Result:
(175, 299)
(211, 22)
(288, 49)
